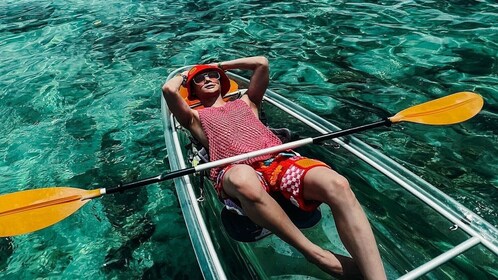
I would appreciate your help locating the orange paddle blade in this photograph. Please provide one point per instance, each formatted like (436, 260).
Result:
(31, 210)
(451, 109)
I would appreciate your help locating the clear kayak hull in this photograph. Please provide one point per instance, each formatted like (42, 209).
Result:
(419, 229)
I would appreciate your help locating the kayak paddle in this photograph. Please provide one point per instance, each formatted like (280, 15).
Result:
(30, 210)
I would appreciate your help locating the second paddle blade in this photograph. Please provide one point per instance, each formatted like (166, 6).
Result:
(31, 210)
(451, 109)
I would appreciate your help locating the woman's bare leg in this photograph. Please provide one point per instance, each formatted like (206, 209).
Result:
(242, 183)
(326, 185)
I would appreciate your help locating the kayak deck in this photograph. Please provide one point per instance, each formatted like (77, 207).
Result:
(390, 194)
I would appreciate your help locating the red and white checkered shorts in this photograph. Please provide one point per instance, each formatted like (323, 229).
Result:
(283, 173)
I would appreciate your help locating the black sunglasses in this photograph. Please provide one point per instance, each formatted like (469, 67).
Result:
(200, 78)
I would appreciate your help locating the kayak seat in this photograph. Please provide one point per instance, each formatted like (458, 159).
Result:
(242, 229)
(284, 134)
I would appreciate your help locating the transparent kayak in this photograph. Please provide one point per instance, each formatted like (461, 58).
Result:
(421, 232)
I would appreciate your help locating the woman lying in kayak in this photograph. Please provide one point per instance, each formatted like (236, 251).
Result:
(305, 182)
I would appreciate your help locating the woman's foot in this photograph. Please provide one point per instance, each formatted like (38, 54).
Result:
(337, 265)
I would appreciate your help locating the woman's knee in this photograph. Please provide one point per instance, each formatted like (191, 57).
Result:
(329, 186)
(334, 183)
(339, 191)
(340, 183)
(242, 181)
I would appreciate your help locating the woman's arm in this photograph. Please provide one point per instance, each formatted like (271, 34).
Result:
(259, 79)
(176, 104)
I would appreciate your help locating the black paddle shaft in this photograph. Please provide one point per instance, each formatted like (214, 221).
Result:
(186, 171)
(151, 180)
(344, 132)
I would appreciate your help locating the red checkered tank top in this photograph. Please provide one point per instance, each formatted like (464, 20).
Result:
(233, 129)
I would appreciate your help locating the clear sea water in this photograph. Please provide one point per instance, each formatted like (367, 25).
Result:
(79, 106)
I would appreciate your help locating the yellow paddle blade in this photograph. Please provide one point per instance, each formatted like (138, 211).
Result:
(31, 210)
(451, 109)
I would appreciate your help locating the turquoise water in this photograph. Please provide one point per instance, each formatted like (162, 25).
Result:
(79, 106)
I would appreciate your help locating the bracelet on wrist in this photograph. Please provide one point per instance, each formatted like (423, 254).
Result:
(184, 79)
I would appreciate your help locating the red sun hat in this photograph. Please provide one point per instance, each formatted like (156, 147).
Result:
(197, 69)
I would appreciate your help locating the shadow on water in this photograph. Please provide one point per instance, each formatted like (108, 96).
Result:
(120, 207)
(25, 17)
(6, 250)
(476, 62)
(118, 258)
